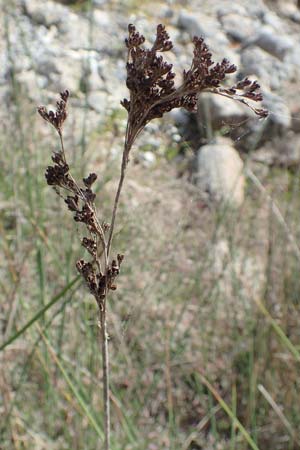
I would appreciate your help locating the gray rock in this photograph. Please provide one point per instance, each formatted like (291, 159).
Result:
(295, 113)
(46, 13)
(48, 66)
(268, 69)
(4, 98)
(290, 11)
(286, 152)
(295, 16)
(113, 74)
(189, 23)
(292, 60)
(257, 132)
(220, 111)
(273, 20)
(279, 118)
(271, 42)
(33, 84)
(233, 8)
(75, 31)
(70, 68)
(202, 25)
(102, 19)
(254, 10)
(98, 102)
(210, 28)
(167, 12)
(91, 79)
(180, 117)
(220, 173)
(147, 159)
(257, 9)
(238, 25)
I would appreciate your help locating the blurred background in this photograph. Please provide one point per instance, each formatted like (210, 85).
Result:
(204, 327)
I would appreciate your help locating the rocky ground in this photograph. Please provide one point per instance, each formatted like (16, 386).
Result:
(47, 46)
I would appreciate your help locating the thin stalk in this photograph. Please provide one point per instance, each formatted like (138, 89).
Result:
(102, 302)
(118, 193)
(105, 367)
(105, 358)
(62, 145)
(117, 198)
(103, 322)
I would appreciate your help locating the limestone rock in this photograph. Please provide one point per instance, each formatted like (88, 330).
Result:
(279, 112)
(206, 26)
(237, 23)
(269, 69)
(46, 13)
(220, 111)
(274, 44)
(220, 173)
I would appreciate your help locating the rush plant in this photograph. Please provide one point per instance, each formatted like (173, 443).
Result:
(152, 93)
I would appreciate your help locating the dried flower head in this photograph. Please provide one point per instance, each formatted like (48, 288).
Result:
(57, 117)
(150, 80)
(80, 200)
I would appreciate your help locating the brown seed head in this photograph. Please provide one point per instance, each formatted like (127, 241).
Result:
(56, 118)
(150, 80)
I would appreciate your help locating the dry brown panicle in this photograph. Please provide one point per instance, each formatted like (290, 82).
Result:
(80, 200)
(151, 80)
(57, 117)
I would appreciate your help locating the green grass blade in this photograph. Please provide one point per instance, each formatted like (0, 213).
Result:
(39, 314)
(127, 423)
(279, 331)
(28, 360)
(229, 412)
(41, 274)
(73, 388)
(234, 410)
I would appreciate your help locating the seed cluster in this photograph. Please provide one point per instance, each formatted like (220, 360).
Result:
(97, 282)
(80, 200)
(151, 80)
(57, 117)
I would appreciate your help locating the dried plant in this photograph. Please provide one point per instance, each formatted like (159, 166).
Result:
(151, 83)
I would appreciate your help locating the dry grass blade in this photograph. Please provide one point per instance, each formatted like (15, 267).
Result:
(229, 412)
(277, 213)
(280, 333)
(278, 411)
(73, 388)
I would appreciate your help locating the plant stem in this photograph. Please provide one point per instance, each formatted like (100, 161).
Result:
(117, 198)
(103, 323)
(105, 367)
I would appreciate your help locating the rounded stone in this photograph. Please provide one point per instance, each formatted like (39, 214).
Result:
(220, 173)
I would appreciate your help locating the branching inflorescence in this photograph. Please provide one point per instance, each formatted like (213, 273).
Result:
(151, 84)
(81, 201)
(151, 81)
